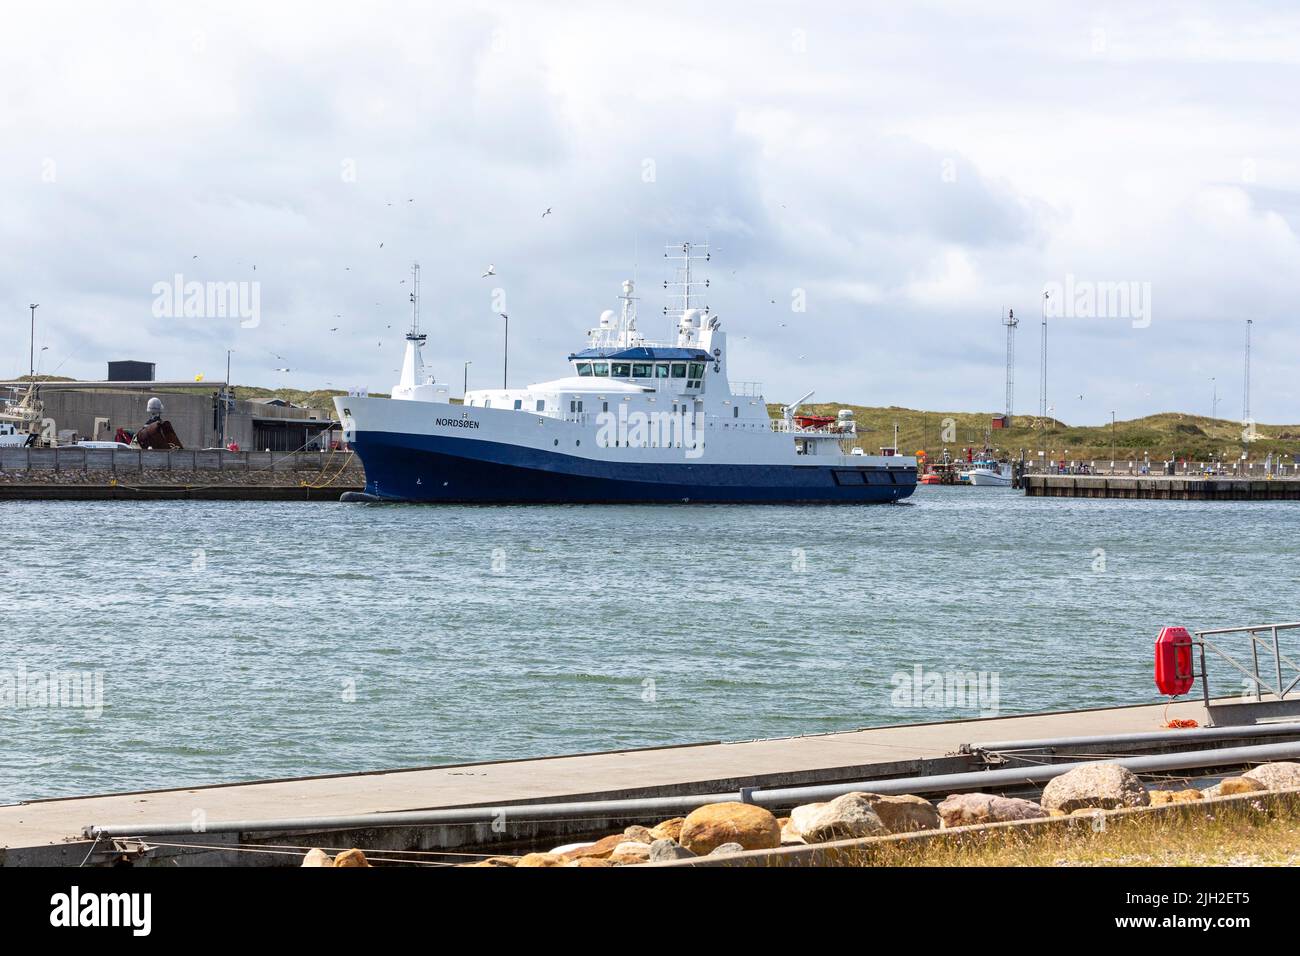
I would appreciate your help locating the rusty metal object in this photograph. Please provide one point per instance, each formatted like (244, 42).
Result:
(158, 435)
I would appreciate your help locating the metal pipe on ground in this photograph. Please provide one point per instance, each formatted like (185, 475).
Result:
(663, 806)
(1203, 734)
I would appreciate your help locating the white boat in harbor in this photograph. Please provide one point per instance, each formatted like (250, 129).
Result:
(18, 419)
(989, 473)
(634, 420)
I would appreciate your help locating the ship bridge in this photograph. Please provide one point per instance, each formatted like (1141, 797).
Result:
(652, 367)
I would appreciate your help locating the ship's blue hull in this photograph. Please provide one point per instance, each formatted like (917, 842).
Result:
(426, 468)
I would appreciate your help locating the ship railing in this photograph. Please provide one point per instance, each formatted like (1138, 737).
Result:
(833, 430)
(746, 389)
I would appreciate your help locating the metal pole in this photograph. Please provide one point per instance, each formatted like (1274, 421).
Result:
(782, 797)
(1277, 662)
(505, 354)
(465, 385)
(225, 399)
(1205, 678)
(1201, 734)
(31, 347)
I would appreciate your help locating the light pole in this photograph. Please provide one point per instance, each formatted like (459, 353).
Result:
(505, 351)
(31, 349)
(226, 395)
(464, 390)
(1214, 398)
(1112, 440)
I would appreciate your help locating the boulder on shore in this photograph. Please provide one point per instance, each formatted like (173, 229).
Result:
(847, 817)
(726, 849)
(541, 859)
(630, 851)
(351, 857)
(905, 813)
(1161, 797)
(669, 829)
(1101, 786)
(316, 857)
(601, 849)
(970, 809)
(663, 851)
(710, 826)
(1282, 775)
(1231, 786)
(638, 834)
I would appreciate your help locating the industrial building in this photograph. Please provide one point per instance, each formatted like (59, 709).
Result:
(96, 410)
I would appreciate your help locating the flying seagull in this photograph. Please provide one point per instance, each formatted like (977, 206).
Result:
(547, 213)
(491, 271)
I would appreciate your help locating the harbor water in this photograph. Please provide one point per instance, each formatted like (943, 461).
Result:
(234, 641)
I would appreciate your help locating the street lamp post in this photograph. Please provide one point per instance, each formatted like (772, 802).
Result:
(31, 349)
(1112, 440)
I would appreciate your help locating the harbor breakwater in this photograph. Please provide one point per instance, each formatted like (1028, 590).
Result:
(74, 472)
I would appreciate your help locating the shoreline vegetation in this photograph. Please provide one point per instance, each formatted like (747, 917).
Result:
(1165, 435)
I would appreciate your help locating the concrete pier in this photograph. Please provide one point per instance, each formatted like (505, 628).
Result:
(48, 832)
(1162, 487)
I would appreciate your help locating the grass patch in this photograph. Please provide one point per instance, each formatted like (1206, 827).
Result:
(1249, 832)
(1166, 435)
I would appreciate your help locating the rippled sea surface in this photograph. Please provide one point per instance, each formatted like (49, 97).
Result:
(249, 640)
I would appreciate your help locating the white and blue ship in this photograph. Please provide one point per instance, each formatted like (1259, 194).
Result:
(635, 421)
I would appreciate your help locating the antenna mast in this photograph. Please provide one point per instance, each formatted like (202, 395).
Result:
(1011, 322)
(681, 289)
(415, 335)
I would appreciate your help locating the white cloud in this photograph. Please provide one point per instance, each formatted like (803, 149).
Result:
(917, 170)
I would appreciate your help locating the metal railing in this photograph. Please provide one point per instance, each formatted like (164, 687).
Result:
(1271, 679)
(746, 389)
(833, 430)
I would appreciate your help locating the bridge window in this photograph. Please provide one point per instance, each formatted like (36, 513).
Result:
(541, 404)
(600, 368)
(622, 370)
(642, 370)
(679, 370)
(584, 368)
(661, 370)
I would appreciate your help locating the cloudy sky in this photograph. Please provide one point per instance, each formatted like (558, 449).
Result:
(908, 173)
